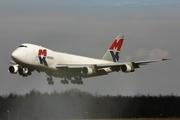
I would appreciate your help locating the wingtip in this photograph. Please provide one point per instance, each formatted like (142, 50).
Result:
(166, 59)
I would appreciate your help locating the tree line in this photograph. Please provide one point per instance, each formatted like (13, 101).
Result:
(76, 104)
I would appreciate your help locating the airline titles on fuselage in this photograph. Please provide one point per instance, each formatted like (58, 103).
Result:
(42, 55)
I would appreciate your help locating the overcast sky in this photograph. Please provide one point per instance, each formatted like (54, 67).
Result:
(151, 29)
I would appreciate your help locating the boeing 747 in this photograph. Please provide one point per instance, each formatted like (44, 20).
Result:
(71, 68)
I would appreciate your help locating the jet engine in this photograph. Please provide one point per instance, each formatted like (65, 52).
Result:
(87, 71)
(13, 69)
(127, 68)
(23, 71)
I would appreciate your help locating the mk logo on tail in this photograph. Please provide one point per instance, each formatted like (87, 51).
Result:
(42, 56)
(116, 44)
(115, 48)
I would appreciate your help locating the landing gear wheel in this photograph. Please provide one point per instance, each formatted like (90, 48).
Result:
(77, 80)
(50, 80)
(64, 82)
(73, 81)
(81, 82)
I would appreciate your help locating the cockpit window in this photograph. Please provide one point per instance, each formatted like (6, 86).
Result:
(22, 46)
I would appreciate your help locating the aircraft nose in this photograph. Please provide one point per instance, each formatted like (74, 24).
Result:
(16, 56)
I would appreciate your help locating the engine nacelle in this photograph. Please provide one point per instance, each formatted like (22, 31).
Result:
(87, 71)
(13, 69)
(23, 71)
(127, 68)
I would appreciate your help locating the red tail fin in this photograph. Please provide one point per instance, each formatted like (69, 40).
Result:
(113, 52)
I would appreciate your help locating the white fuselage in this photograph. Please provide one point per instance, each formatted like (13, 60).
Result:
(45, 60)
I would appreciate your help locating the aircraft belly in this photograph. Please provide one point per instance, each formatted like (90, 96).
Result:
(75, 72)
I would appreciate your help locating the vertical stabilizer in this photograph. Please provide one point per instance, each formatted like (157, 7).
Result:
(114, 50)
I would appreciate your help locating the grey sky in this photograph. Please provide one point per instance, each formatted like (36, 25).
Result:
(151, 29)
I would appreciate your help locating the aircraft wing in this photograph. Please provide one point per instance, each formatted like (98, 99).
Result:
(149, 61)
(113, 65)
(132, 64)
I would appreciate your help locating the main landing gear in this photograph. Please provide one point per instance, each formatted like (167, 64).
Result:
(50, 80)
(74, 80)
(77, 80)
(65, 80)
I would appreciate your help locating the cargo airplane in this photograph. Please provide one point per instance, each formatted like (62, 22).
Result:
(71, 68)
